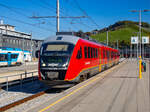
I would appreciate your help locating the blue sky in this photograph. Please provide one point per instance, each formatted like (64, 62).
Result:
(103, 12)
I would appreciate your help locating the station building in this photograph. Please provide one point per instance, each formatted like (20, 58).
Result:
(11, 38)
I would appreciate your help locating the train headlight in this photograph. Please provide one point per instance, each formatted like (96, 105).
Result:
(44, 64)
(65, 65)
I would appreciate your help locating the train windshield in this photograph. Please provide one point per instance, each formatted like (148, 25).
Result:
(56, 52)
(54, 59)
(3, 57)
(57, 48)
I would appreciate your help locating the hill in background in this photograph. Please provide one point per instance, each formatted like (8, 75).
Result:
(121, 31)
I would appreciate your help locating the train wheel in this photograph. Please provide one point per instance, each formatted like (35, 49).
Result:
(83, 78)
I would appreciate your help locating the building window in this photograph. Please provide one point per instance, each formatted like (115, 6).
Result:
(3, 57)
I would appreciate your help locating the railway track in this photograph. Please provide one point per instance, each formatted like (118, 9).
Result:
(52, 90)
(30, 98)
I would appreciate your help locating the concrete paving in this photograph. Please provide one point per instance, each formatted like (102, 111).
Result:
(120, 91)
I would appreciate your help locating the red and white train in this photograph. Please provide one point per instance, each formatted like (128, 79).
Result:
(67, 59)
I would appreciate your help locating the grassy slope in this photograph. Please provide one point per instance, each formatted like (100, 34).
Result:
(124, 33)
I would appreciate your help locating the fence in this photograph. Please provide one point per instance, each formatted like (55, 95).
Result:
(6, 81)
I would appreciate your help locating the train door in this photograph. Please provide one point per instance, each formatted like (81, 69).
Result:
(100, 61)
(100, 56)
(9, 58)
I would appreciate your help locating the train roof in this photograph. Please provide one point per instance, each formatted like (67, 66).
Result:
(65, 38)
(72, 39)
(26, 51)
(13, 49)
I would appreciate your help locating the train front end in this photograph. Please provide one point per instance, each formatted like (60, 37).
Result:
(54, 61)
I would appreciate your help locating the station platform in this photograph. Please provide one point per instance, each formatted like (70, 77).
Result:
(116, 90)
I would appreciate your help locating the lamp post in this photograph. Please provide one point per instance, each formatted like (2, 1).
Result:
(31, 45)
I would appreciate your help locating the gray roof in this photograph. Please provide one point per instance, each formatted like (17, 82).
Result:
(6, 25)
(71, 39)
(64, 38)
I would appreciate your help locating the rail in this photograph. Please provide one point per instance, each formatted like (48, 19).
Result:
(6, 81)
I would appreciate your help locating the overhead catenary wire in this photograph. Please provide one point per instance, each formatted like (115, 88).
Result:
(54, 9)
(83, 23)
(49, 8)
(12, 9)
(84, 12)
(62, 12)
(16, 20)
(43, 6)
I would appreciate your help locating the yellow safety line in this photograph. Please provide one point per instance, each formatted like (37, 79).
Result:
(101, 76)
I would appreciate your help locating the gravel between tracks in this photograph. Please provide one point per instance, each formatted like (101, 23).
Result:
(16, 93)
(34, 102)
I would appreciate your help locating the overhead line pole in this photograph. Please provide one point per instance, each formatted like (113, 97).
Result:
(140, 36)
(140, 58)
(140, 30)
(57, 29)
(57, 17)
(63, 17)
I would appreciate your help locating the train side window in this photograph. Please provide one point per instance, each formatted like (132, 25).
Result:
(79, 54)
(103, 53)
(94, 52)
(3, 57)
(85, 52)
(14, 56)
(89, 52)
(107, 53)
(112, 53)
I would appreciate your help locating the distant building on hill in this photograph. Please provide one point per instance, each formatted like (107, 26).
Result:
(94, 32)
(11, 38)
